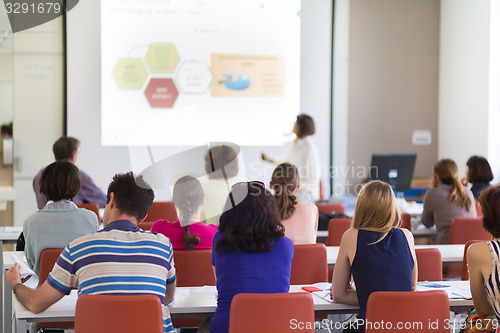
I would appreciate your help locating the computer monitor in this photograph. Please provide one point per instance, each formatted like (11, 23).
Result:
(395, 169)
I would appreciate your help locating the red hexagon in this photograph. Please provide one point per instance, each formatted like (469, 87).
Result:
(161, 93)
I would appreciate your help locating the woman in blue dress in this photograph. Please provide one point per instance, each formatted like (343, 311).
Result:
(250, 251)
(379, 255)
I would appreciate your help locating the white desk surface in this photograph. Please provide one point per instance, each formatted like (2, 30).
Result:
(12, 235)
(196, 303)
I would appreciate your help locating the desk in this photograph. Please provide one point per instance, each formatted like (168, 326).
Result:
(420, 232)
(9, 237)
(190, 303)
(450, 253)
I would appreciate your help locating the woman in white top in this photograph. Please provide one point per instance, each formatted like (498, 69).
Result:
(303, 153)
(300, 219)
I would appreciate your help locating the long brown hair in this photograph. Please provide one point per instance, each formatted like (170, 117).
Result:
(447, 172)
(188, 197)
(284, 181)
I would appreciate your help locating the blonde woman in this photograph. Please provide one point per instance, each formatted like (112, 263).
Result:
(446, 199)
(300, 219)
(378, 255)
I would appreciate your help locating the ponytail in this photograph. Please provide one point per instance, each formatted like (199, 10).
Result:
(447, 172)
(284, 181)
(458, 196)
(190, 240)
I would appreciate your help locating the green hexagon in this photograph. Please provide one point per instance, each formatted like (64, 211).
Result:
(162, 58)
(130, 73)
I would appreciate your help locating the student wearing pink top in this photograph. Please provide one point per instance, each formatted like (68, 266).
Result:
(299, 218)
(187, 233)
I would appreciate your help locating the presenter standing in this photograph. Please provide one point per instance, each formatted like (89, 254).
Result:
(303, 153)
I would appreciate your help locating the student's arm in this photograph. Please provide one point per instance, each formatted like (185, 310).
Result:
(341, 285)
(427, 218)
(411, 245)
(169, 293)
(34, 300)
(479, 262)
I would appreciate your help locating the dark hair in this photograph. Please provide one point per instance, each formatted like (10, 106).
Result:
(284, 181)
(60, 181)
(490, 206)
(305, 125)
(188, 197)
(252, 224)
(133, 196)
(65, 147)
(447, 172)
(6, 130)
(219, 157)
(479, 170)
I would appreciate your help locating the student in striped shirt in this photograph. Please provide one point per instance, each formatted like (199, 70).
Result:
(121, 259)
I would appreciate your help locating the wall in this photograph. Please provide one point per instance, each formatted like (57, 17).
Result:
(464, 80)
(393, 81)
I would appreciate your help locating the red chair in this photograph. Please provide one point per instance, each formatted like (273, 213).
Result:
(193, 268)
(118, 314)
(478, 209)
(146, 225)
(336, 229)
(48, 258)
(270, 313)
(92, 207)
(328, 208)
(465, 271)
(430, 266)
(464, 229)
(162, 210)
(405, 221)
(309, 264)
(415, 310)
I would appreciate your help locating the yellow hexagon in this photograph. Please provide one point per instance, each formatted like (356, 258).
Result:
(162, 58)
(130, 73)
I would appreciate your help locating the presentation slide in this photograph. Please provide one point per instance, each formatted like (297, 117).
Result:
(189, 72)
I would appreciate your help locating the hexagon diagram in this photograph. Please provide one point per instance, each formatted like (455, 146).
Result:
(162, 58)
(161, 93)
(130, 73)
(194, 77)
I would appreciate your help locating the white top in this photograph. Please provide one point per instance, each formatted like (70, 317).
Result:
(304, 155)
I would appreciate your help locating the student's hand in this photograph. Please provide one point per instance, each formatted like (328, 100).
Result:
(13, 276)
(464, 181)
(266, 158)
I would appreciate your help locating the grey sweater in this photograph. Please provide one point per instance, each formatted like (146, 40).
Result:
(55, 226)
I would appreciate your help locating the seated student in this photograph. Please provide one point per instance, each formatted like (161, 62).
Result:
(187, 233)
(221, 166)
(446, 199)
(483, 259)
(378, 255)
(250, 253)
(60, 221)
(146, 258)
(300, 219)
(478, 173)
(66, 149)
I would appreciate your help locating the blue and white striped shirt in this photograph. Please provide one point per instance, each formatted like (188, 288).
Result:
(121, 259)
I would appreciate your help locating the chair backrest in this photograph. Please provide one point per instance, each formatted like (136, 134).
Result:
(92, 207)
(478, 209)
(162, 210)
(464, 229)
(328, 208)
(48, 258)
(405, 221)
(270, 313)
(414, 310)
(193, 268)
(309, 264)
(117, 314)
(336, 229)
(430, 266)
(465, 271)
(146, 225)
